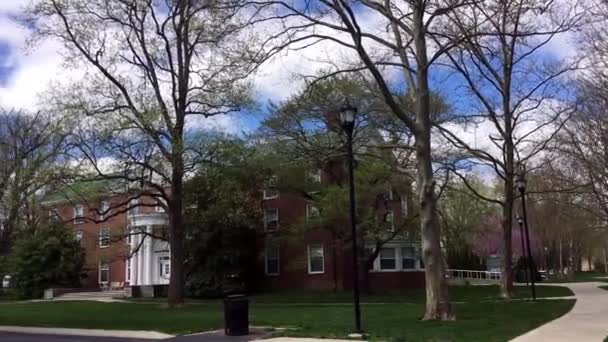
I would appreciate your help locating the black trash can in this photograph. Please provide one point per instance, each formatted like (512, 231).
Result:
(236, 315)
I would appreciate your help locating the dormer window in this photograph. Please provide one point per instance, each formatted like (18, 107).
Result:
(389, 218)
(79, 214)
(271, 190)
(104, 210)
(315, 175)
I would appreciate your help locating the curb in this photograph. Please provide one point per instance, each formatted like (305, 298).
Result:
(151, 335)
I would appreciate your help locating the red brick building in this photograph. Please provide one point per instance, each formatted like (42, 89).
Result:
(116, 234)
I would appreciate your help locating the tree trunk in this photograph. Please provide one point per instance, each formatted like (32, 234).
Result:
(506, 277)
(437, 301)
(176, 240)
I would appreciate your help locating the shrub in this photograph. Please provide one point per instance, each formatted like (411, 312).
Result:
(51, 257)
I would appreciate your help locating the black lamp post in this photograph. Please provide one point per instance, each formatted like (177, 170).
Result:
(520, 221)
(347, 117)
(521, 186)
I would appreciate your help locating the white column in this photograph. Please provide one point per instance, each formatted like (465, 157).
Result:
(140, 259)
(149, 268)
(133, 261)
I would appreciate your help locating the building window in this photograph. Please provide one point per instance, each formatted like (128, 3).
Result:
(78, 235)
(128, 275)
(272, 260)
(104, 210)
(388, 259)
(164, 267)
(315, 175)
(389, 218)
(133, 206)
(408, 258)
(79, 214)
(104, 272)
(271, 190)
(161, 204)
(271, 219)
(312, 211)
(316, 259)
(403, 207)
(104, 237)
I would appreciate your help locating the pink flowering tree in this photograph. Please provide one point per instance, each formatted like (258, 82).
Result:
(486, 240)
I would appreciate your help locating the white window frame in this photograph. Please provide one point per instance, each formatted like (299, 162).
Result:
(102, 237)
(396, 251)
(398, 247)
(309, 258)
(270, 194)
(79, 218)
(128, 269)
(104, 209)
(389, 217)
(278, 259)
(101, 269)
(312, 211)
(163, 261)
(414, 257)
(266, 222)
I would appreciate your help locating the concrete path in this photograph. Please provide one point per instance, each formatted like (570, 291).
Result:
(128, 334)
(586, 322)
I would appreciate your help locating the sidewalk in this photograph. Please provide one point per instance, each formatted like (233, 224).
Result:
(586, 322)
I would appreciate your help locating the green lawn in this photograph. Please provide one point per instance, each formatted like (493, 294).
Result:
(476, 321)
(457, 294)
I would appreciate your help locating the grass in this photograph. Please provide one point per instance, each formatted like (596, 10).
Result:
(604, 287)
(579, 277)
(476, 321)
(457, 294)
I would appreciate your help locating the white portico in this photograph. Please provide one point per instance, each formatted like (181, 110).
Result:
(150, 263)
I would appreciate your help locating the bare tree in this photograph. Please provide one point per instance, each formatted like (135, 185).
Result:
(30, 148)
(155, 68)
(517, 90)
(389, 38)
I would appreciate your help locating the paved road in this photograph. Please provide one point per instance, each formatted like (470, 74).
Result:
(12, 337)
(210, 337)
(586, 322)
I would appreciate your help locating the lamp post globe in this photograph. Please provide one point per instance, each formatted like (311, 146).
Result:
(347, 115)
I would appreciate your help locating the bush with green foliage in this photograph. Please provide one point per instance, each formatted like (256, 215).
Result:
(51, 257)
(224, 216)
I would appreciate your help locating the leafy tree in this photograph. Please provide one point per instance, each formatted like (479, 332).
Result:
(225, 212)
(155, 70)
(462, 213)
(51, 257)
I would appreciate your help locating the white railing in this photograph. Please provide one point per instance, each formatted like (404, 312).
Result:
(472, 275)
